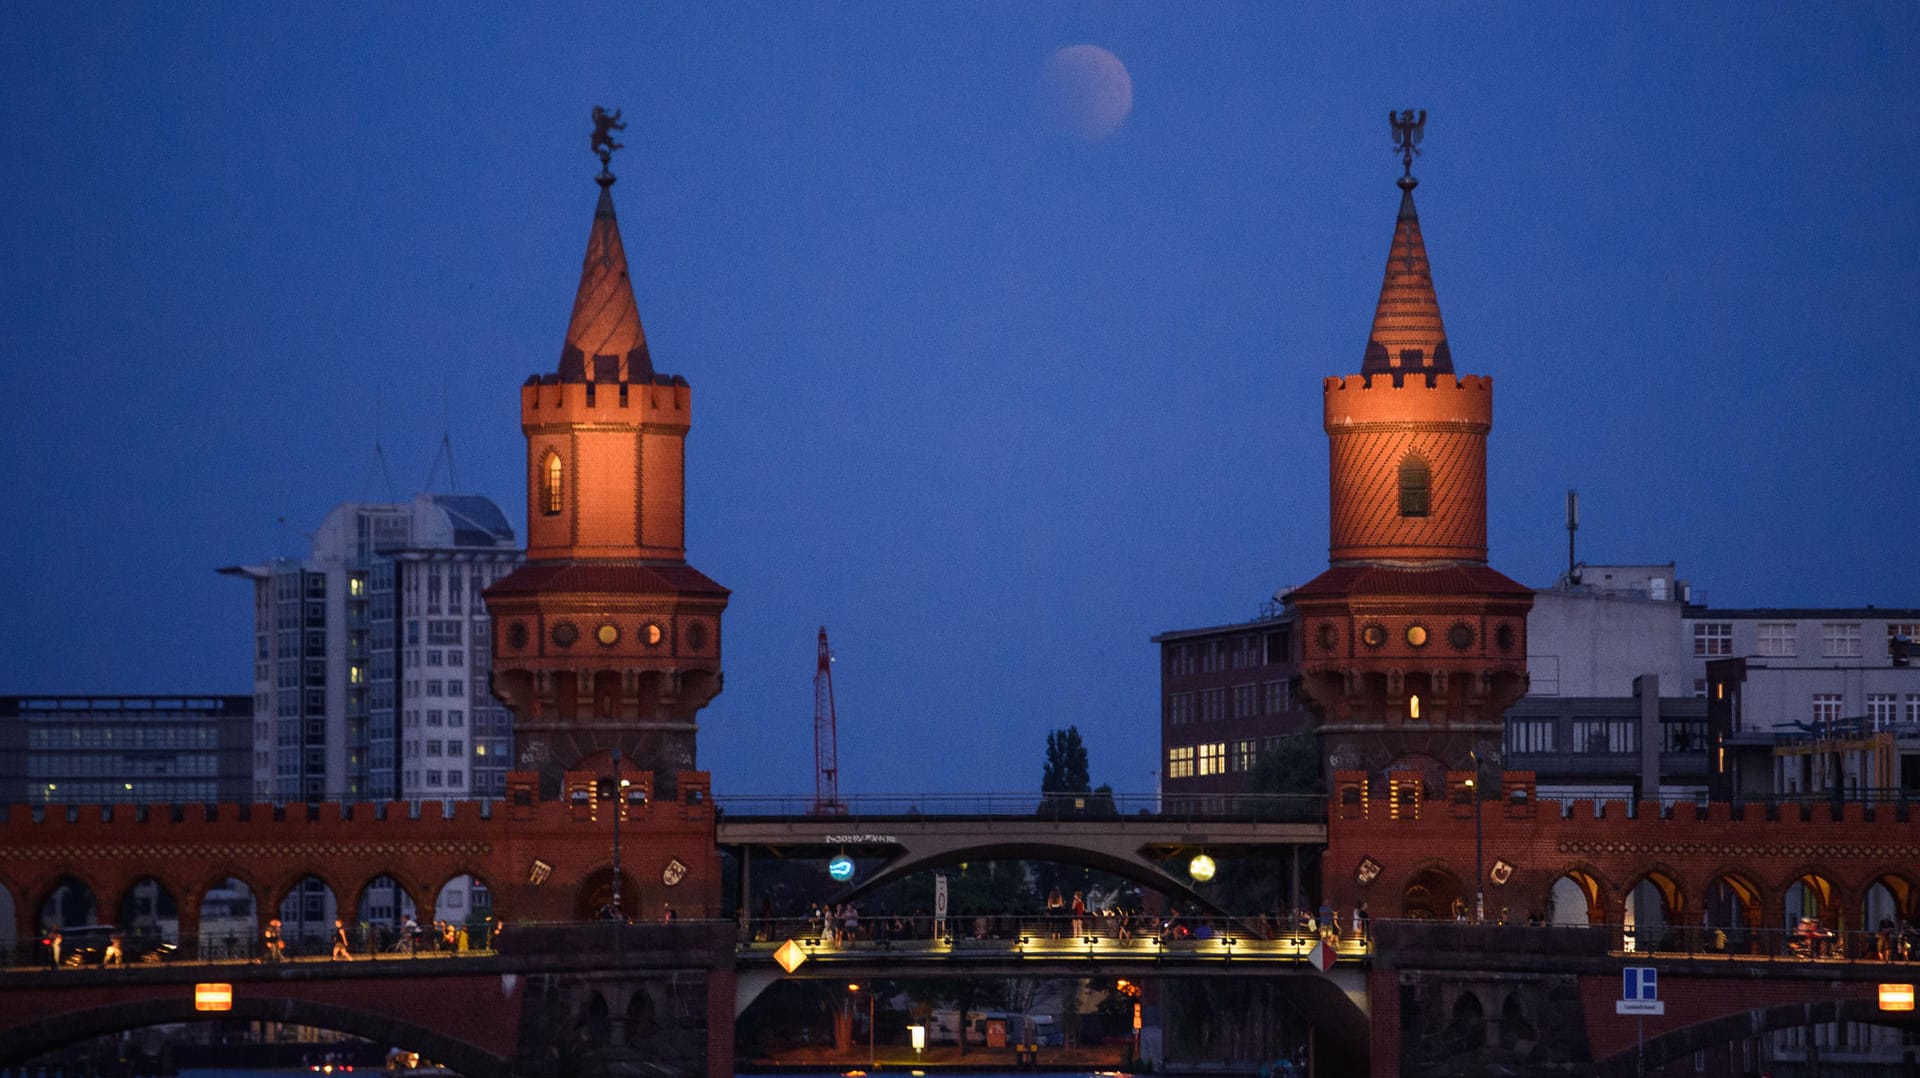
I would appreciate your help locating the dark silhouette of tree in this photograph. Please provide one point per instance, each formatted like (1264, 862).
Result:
(1066, 769)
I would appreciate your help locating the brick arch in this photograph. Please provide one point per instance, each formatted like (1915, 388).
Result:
(53, 882)
(110, 911)
(1594, 884)
(25, 1042)
(1064, 852)
(1830, 892)
(1669, 881)
(1678, 1044)
(408, 882)
(1903, 887)
(1432, 865)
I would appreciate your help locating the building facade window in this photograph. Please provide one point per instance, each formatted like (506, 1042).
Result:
(1213, 758)
(1712, 638)
(1778, 639)
(1840, 640)
(1279, 697)
(1826, 708)
(1415, 486)
(1246, 753)
(1601, 736)
(1213, 705)
(1901, 630)
(1180, 762)
(1529, 735)
(1881, 709)
(553, 487)
(1913, 707)
(1179, 708)
(1246, 701)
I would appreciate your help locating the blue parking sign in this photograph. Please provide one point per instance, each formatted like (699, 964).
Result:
(1640, 983)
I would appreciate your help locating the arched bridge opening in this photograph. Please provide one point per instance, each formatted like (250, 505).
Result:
(23, 1043)
(1133, 869)
(1678, 1044)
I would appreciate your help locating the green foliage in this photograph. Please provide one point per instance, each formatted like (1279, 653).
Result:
(1066, 769)
(1291, 767)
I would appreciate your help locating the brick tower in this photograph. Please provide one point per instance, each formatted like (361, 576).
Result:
(1411, 646)
(606, 639)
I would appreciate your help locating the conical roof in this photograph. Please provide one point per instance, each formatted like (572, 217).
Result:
(1408, 335)
(605, 341)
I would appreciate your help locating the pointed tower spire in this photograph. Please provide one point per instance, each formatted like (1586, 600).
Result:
(605, 341)
(1408, 335)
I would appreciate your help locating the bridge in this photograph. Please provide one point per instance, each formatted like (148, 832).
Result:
(1140, 838)
(1427, 997)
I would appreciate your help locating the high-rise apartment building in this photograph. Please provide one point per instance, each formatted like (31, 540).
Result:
(371, 656)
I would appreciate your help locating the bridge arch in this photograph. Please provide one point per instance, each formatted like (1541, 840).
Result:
(1431, 892)
(71, 898)
(1652, 904)
(26, 1042)
(1809, 892)
(1133, 870)
(153, 910)
(1678, 1044)
(1577, 897)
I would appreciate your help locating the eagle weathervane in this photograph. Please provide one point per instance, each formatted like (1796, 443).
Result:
(1408, 127)
(604, 125)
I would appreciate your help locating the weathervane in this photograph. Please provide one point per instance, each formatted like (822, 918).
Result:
(604, 125)
(1408, 126)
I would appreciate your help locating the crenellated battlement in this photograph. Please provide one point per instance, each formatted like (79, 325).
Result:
(1466, 400)
(1388, 833)
(665, 401)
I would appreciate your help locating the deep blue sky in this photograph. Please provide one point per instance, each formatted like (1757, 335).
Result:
(992, 403)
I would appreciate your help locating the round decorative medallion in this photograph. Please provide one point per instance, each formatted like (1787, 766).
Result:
(608, 634)
(1373, 635)
(1329, 637)
(697, 636)
(565, 633)
(1417, 635)
(1503, 637)
(651, 634)
(1460, 635)
(517, 635)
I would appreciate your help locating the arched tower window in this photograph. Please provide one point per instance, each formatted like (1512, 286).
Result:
(1415, 486)
(553, 485)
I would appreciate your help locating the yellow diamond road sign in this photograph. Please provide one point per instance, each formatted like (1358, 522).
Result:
(789, 956)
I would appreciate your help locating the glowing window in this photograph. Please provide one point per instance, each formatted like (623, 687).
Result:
(555, 483)
(1415, 483)
(1413, 707)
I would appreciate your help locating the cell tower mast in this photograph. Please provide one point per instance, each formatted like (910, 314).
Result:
(826, 738)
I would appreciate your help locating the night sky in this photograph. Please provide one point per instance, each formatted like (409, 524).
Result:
(992, 397)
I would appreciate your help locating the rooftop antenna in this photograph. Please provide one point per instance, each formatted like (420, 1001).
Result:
(378, 469)
(444, 451)
(1573, 525)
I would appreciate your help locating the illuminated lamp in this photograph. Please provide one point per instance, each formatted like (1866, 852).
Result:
(840, 868)
(919, 1035)
(790, 956)
(1201, 868)
(209, 996)
(1896, 997)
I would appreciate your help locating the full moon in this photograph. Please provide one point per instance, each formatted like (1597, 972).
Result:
(1086, 92)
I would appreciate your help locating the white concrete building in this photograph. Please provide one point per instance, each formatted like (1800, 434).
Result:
(371, 656)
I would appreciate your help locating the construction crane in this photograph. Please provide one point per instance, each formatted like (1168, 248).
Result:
(826, 738)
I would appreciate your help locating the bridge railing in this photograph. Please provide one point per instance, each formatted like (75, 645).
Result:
(1266, 808)
(887, 931)
(1665, 941)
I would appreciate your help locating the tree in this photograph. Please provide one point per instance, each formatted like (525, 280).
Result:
(1066, 770)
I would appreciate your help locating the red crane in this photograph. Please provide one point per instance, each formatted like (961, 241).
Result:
(826, 738)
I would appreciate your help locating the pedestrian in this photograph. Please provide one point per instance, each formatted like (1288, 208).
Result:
(273, 948)
(1362, 921)
(666, 914)
(1055, 907)
(341, 951)
(1079, 915)
(54, 943)
(113, 955)
(850, 922)
(410, 933)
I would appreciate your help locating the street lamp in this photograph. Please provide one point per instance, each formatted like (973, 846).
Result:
(873, 1059)
(1479, 885)
(619, 804)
